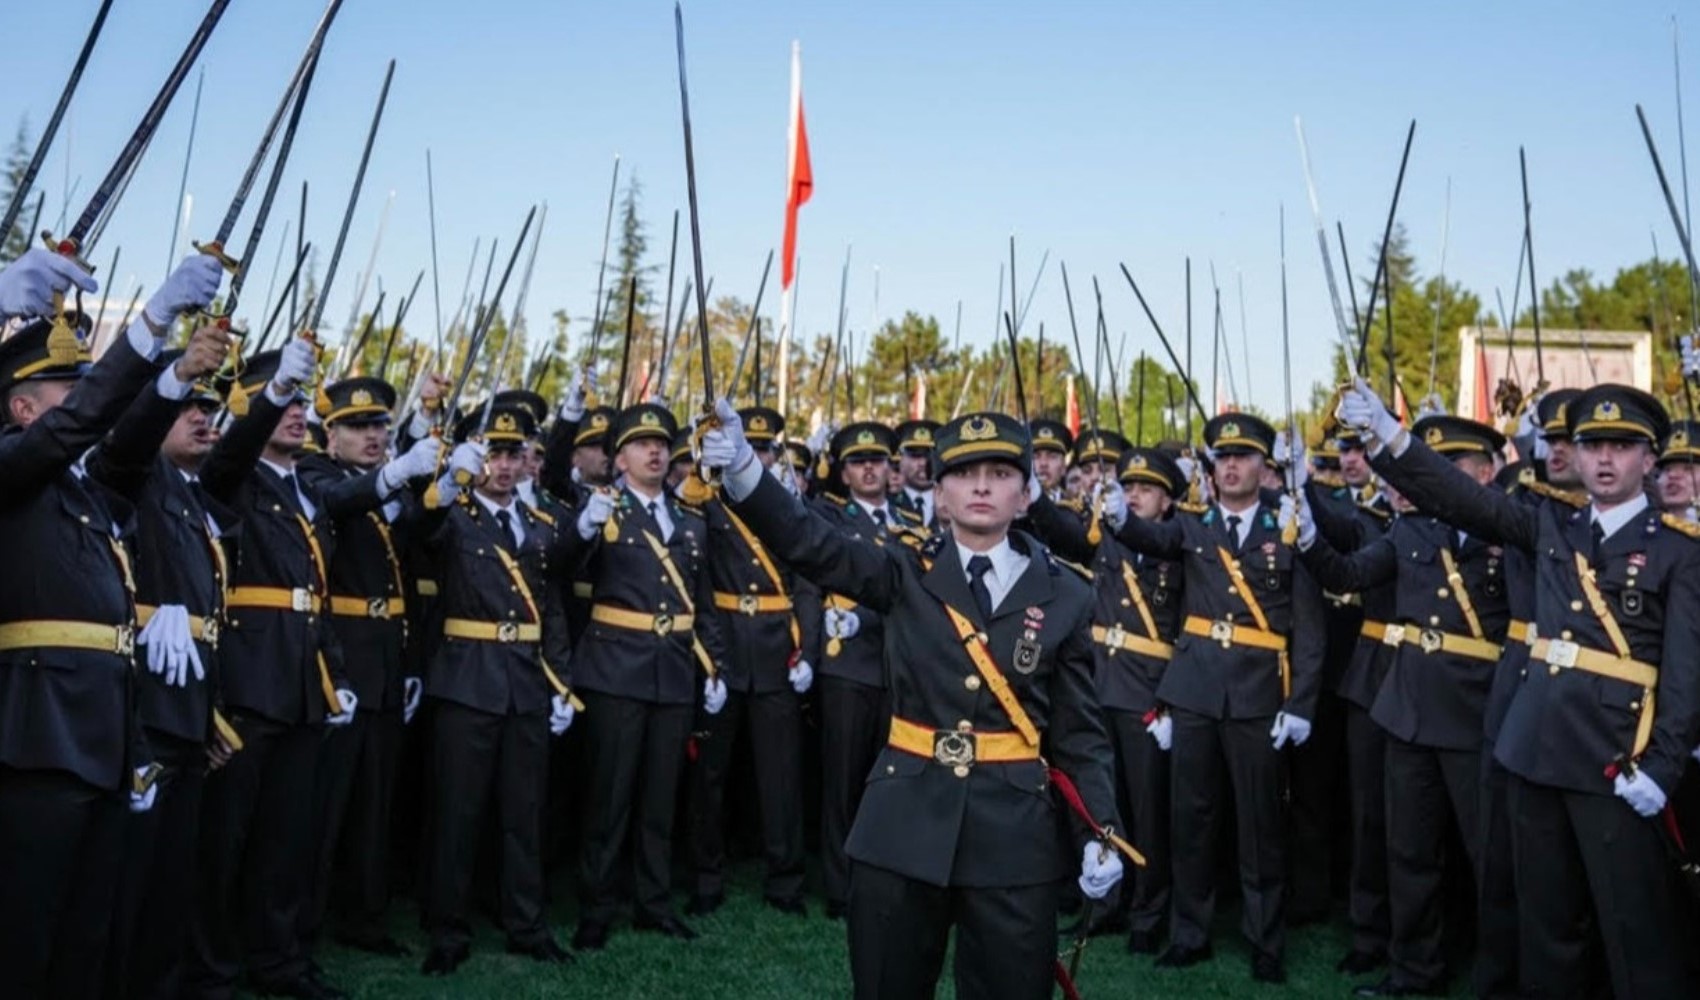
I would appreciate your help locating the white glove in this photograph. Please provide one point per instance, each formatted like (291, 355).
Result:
(1035, 489)
(1360, 407)
(842, 624)
(572, 407)
(594, 514)
(1115, 507)
(821, 437)
(1289, 729)
(171, 649)
(783, 472)
(713, 695)
(1431, 406)
(1100, 870)
(560, 715)
(1690, 356)
(190, 288)
(1641, 792)
(141, 802)
(349, 703)
(725, 447)
(802, 676)
(1162, 729)
(28, 284)
(468, 457)
(414, 463)
(1300, 466)
(295, 365)
(1299, 511)
(1529, 424)
(412, 691)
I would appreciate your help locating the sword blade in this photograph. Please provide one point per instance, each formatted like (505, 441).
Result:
(353, 200)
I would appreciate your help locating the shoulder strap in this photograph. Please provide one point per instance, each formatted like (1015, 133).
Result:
(1597, 602)
(1243, 589)
(981, 654)
(1456, 579)
(1137, 595)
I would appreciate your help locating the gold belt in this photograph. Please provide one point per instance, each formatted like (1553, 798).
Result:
(1561, 655)
(381, 608)
(637, 621)
(466, 628)
(1229, 634)
(1432, 640)
(960, 748)
(1116, 637)
(1374, 631)
(203, 628)
(1523, 632)
(425, 588)
(751, 604)
(298, 599)
(119, 639)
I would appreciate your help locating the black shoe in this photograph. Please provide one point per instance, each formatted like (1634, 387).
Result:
(1356, 963)
(835, 910)
(668, 926)
(542, 950)
(372, 944)
(592, 935)
(1388, 988)
(1142, 943)
(1179, 956)
(303, 987)
(704, 903)
(443, 959)
(1266, 968)
(789, 905)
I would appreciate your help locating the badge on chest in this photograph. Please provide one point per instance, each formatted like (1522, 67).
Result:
(1028, 648)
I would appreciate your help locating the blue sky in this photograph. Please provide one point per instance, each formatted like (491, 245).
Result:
(1104, 132)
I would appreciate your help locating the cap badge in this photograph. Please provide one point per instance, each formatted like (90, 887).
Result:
(1229, 430)
(506, 423)
(758, 423)
(976, 429)
(649, 419)
(360, 397)
(1608, 410)
(1434, 436)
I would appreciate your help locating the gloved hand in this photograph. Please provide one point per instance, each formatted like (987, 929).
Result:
(1114, 510)
(1690, 356)
(412, 692)
(349, 703)
(782, 471)
(468, 458)
(1360, 407)
(171, 649)
(713, 695)
(190, 288)
(295, 366)
(1035, 489)
(1641, 792)
(1298, 511)
(1162, 729)
(141, 802)
(414, 463)
(820, 437)
(1292, 455)
(1100, 870)
(560, 715)
(802, 676)
(1289, 729)
(28, 284)
(1529, 424)
(842, 624)
(725, 447)
(572, 407)
(597, 509)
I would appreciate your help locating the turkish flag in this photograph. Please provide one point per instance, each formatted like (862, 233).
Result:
(800, 177)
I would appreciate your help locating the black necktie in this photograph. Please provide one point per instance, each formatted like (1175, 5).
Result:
(1234, 529)
(655, 515)
(505, 521)
(879, 516)
(294, 494)
(978, 567)
(1599, 532)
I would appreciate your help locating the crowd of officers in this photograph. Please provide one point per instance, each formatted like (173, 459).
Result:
(267, 641)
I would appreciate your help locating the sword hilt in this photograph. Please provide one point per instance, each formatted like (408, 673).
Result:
(214, 248)
(70, 247)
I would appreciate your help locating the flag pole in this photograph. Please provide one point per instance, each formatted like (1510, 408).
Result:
(799, 183)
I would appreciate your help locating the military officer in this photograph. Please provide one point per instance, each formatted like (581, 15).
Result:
(1605, 715)
(1095, 454)
(914, 460)
(957, 824)
(1052, 443)
(1677, 471)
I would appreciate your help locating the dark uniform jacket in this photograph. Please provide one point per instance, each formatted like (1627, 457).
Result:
(761, 646)
(1238, 681)
(646, 665)
(1430, 696)
(860, 658)
(1348, 525)
(69, 709)
(278, 664)
(1563, 726)
(997, 824)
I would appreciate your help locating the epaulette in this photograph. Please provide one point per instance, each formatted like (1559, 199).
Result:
(1551, 492)
(1682, 524)
(544, 516)
(931, 547)
(1376, 512)
(1192, 508)
(1072, 504)
(690, 508)
(1081, 571)
(1331, 480)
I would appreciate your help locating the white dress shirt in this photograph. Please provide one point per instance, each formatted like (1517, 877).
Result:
(307, 507)
(1007, 567)
(1245, 517)
(657, 506)
(1617, 517)
(513, 515)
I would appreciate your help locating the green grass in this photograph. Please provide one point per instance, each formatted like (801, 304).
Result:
(749, 952)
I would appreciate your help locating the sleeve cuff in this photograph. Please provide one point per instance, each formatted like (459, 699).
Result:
(170, 386)
(743, 481)
(279, 399)
(141, 338)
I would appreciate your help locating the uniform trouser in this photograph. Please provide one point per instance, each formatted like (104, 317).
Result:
(1366, 904)
(256, 860)
(1316, 774)
(1577, 852)
(61, 842)
(475, 754)
(854, 722)
(1496, 891)
(1428, 791)
(775, 724)
(156, 882)
(1143, 768)
(355, 790)
(638, 750)
(899, 928)
(1203, 750)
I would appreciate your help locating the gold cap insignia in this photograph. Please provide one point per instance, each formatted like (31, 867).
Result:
(758, 423)
(1434, 436)
(599, 422)
(649, 419)
(1046, 434)
(976, 429)
(360, 397)
(1136, 462)
(866, 437)
(505, 423)
(1229, 430)
(925, 434)
(1608, 410)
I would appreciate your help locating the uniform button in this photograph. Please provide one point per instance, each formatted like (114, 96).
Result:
(960, 770)
(755, 562)
(84, 519)
(1565, 635)
(1126, 603)
(1434, 619)
(514, 588)
(890, 769)
(1635, 706)
(663, 605)
(1553, 670)
(965, 726)
(753, 588)
(1576, 605)
(1443, 592)
(972, 682)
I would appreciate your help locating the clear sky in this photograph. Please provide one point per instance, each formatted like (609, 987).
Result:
(1102, 131)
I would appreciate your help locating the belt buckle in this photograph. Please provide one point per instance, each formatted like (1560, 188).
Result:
(1222, 632)
(663, 625)
(954, 750)
(1530, 635)
(1394, 636)
(124, 640)
(300, 599)
(1430, 640)
(1561, 653)
(1113, 636)
(209, 632)
(378, 607)
(507, 632)
(747, 605)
